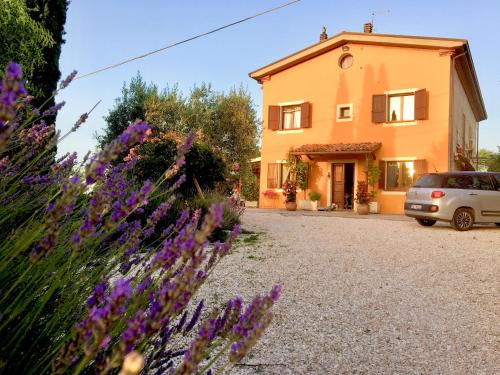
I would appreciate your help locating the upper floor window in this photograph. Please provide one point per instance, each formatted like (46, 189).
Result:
(344, 112)
(289, 117)
(399, 107)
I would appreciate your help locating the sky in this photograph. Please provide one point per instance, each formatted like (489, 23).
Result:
(100, 33)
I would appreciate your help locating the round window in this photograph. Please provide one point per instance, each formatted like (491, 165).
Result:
(345, 61)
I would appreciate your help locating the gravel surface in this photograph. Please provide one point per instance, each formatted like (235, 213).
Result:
(371, 296)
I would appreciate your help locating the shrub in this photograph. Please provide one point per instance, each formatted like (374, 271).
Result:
(84, 286)
(231, 215)
(250, 185)
(314, 196)
(201, 163)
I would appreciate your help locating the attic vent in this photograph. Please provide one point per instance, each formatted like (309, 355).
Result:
(368, 28)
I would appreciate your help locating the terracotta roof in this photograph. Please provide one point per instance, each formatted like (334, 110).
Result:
(338, 148)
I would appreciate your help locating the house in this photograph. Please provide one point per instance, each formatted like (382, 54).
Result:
(410, 104)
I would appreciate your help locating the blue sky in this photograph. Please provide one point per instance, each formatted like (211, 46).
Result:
(99, 33)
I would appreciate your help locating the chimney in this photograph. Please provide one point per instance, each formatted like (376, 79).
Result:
(368, 28)
(323, 36)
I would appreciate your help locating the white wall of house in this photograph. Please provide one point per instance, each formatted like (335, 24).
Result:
(464, 124)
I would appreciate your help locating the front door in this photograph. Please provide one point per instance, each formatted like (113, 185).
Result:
(338, 185)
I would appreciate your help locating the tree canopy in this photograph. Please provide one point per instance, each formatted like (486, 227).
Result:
(227, 122)
(23, 40)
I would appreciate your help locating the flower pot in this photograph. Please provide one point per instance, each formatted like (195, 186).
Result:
(291, 206)
(374, 207)
(308, 205)
(314, 205)
(362, 209)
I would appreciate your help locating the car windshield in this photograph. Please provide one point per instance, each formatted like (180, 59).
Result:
(429, 181)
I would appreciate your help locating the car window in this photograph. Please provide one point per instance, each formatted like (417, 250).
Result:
(429, 181)
(481, 182)
(497, 177)
(458, 182)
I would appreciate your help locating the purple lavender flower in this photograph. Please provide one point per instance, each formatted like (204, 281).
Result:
(121, 290)
(134, 134)
(65, 82)
(136, 328)
(98, 296)
(54, 109)
(79, 122)
(11, 89)
(195, 317)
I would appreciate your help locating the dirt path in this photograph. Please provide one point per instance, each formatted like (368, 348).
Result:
(369, 296)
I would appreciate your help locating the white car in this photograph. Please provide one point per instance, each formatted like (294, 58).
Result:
(461, 198)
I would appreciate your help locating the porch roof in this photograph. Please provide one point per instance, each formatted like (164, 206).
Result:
(320, 150)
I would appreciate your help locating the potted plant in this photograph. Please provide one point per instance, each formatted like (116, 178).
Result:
(362, 198)
(373, 176)
(314, 196)
(290, 193)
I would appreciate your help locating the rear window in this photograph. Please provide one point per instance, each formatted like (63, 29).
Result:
(476, 182)
(497, 177)
(429, 181)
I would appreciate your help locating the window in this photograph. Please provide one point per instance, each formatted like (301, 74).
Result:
(346, 61)
(429, 181)
(475, 182)
(497, 177)
(291, 117)
(401, 108)
(344, 112)
(277, 174)
(399, 175)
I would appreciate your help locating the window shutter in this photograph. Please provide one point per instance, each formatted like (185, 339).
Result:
(420, 105)
(273, 117)
(305, 115)
(272, 175)
(381, 179)
(379, 108)
(420, 167)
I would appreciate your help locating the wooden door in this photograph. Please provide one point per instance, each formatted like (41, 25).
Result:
(338, 185)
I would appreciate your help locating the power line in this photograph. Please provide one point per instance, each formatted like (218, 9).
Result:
(187, 40)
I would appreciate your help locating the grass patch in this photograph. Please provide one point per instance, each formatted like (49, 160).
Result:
(253, 238)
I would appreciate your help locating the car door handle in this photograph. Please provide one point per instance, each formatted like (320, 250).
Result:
(472, 194)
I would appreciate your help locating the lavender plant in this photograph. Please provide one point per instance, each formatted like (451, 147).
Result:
(87, 279)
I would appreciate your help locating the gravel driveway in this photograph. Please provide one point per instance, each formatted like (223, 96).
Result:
(368, 296)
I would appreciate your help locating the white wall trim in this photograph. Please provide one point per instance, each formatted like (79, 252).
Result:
(401, 91)
(395, 124)
(399, 158)
(296, 102)
(291, 131)
(388, 192)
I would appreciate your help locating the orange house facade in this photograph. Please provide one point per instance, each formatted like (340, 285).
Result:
(410, 105)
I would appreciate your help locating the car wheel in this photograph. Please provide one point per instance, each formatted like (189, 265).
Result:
(497, 224)
(426, 222)
(463, 219)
